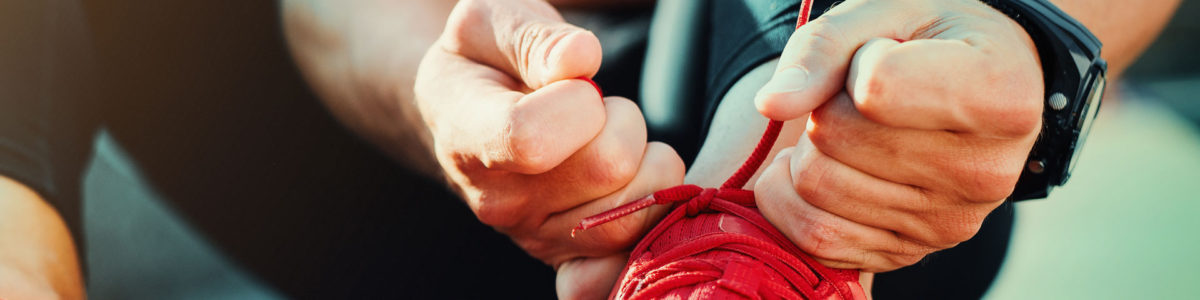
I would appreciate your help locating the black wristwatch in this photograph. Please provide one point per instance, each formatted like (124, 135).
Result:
(1074, 77)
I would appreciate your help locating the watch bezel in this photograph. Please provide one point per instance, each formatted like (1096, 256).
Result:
(1092, 96)
(1071, 64)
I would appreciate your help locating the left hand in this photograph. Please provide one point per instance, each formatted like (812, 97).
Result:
(930, 137)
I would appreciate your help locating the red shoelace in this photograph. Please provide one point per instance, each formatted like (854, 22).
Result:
(716, 245)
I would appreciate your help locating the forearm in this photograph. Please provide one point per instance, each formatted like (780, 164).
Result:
(599, 3)
(37, 256)
(735, 130)
(339, 46)
(1126, 28)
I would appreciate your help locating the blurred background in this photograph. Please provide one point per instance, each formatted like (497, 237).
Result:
(1123, 228)
(1125, 225)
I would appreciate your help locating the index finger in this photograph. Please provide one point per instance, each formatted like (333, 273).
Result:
(814, 62)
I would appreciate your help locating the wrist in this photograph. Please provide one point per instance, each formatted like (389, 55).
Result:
(1074, 81)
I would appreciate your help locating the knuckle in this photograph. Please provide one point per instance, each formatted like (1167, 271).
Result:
(1015, 112)
(537, 248)
(826, 36)
(808, 184)
(903, 260)
(910, 247)
(826, 135)
(623, 166)
(958, 230)
(1026, 116)
(528, 149)
(1019, 116)
(499, 213)
(958, 234)
(461, 22)
(614, 169)
(872, 100)
(990, 181)
(819, 240)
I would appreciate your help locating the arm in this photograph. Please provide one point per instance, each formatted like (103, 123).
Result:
(1125, 28)
(37, 256)
(361, 58)
(913, 143)
(736, 128)
(493, 104)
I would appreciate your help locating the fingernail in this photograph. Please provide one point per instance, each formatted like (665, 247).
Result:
(792, 79)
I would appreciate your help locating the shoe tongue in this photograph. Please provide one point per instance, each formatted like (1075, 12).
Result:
(705, 224)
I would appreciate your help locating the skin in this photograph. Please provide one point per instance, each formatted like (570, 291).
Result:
(362, 57)
(990, 182)
(910, 145)
(37, 256)
(529, 148)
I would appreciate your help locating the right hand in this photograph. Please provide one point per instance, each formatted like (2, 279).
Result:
(532, 150)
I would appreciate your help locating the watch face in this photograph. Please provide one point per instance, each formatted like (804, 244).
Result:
(1087, 117)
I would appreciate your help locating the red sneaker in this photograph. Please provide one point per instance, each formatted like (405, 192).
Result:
(716, 245)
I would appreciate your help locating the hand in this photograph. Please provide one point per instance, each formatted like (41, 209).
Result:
(37, 255)
(931, 136)
(532, 150)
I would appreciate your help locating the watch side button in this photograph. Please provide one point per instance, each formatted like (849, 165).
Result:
(1037, 166)
(1057, 101)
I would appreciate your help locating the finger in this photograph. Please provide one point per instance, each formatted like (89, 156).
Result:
(834, 241)
(607, 163)
(478, 114)
(831, 186)
(589, 277)
(815, 60)
(661, 168)
(867, 281)
(976, 168)
(840, 131)
(548, 126)
(526, 39)
(489, 129)
(938, 84)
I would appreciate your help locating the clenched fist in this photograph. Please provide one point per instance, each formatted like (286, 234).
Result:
(922, 115)
(534, 150)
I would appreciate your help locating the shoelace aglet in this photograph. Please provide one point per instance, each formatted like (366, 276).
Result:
(613, 214)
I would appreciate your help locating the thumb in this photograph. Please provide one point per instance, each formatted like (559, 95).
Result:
(813, 65)
(590, 277)
(526, 39)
